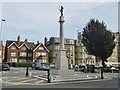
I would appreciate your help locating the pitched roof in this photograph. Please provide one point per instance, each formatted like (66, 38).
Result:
(29, 44)
(37, 45)
(12, 44)
(8, 42)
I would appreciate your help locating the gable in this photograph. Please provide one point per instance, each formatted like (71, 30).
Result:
(24, 45)
(13, 43)
(40, 47)
(13, 46)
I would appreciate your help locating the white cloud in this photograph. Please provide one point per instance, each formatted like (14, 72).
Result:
(60, 1)
(34, 21)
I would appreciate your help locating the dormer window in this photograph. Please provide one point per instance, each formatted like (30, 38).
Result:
(41, 48)
(13, 47)
(24, 48)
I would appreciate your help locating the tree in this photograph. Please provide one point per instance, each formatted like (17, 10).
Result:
(98, 41)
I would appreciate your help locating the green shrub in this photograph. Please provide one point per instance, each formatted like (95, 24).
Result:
(19, 64)
(23, 64)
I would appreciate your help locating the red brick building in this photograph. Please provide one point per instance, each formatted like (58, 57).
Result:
(21, 51)
(40, 53)
(2, 49)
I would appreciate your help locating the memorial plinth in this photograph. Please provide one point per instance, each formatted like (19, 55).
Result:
(62, 61)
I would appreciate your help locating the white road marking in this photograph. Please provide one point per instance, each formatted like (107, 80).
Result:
(5, 71)
(40, 77)
(16, 72)
(39, 81)
(14, 78)
(27, 80)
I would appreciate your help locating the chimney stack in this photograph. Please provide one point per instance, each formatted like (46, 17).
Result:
(26, 40)
(37, 42)
(18, 40)
(45, 41)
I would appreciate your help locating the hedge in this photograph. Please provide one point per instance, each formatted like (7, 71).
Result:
(20, 64)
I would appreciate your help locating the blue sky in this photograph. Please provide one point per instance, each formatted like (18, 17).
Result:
(36, 20)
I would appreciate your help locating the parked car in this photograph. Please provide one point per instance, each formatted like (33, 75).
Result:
(90, 68)
(114, 70)
(82, 68)
(107, 69)
(97, 68)
(87, 68)
(52, 66)
(4, 67)
(44, 66)
(39, 66)
(33, 66)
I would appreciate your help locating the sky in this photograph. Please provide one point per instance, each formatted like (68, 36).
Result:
(36, 20)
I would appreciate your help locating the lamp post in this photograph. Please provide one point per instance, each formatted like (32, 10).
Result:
(48, 71)
(2, 20)
(27, 63)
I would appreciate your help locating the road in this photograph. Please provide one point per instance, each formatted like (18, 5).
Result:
(112, 82)
(21, 72)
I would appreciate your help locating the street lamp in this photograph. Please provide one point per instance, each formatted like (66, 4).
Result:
(27, 66)
(27, 61)
(2, 20)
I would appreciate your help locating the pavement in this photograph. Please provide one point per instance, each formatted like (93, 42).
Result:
(22, 81)
(42, 79)
(75, 77)
(37, 79)
(34, 81)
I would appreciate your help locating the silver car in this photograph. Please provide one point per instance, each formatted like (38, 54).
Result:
(39, 66)
(4, 67)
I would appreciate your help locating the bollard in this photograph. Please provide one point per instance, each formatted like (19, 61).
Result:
(30, 74)
(49, 81)
(87, 75)
(96, 76)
